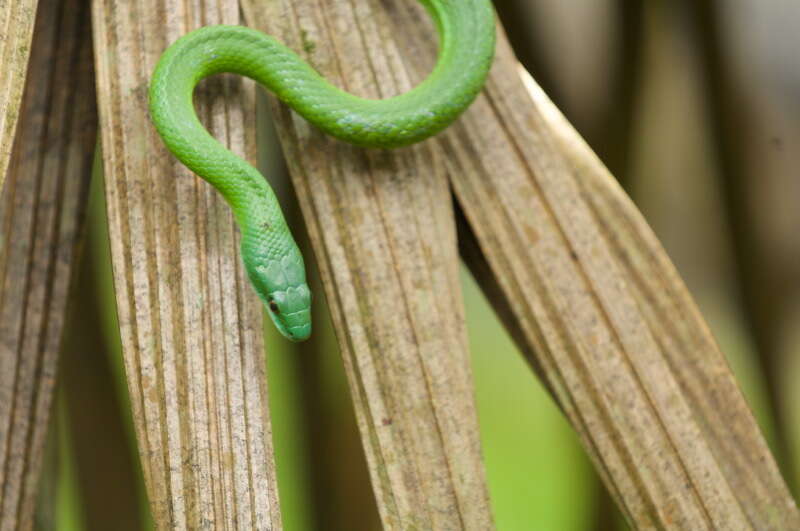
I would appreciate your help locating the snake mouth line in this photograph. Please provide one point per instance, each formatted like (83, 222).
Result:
(288, 314)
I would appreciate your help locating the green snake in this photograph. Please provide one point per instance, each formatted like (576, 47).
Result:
(271, 257)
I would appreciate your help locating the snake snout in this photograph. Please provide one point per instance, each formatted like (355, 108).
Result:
(299, 333)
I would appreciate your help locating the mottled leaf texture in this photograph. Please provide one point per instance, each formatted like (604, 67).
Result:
(599, 311)
(16, 29)
(382, 227)
(42, 211)
(578, 277)
(190, 323)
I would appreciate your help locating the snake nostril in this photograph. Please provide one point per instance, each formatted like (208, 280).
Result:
(273, 306)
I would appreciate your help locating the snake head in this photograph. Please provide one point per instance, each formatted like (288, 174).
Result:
(281, 284)
(290, 310)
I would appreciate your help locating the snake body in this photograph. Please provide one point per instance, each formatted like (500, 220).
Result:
(271, 257)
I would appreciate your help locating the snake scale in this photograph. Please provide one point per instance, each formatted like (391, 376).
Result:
(271, 257)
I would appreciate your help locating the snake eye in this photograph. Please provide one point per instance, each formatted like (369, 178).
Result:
(273, 306)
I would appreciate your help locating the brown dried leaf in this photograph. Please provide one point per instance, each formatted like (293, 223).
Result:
(190, 322)
(41, 217)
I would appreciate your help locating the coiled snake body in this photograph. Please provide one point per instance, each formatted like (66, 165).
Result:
(271, 256)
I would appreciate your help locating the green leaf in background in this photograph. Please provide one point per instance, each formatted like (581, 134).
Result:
(537, 471)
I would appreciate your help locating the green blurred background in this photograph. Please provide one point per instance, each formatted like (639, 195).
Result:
(695, 107)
